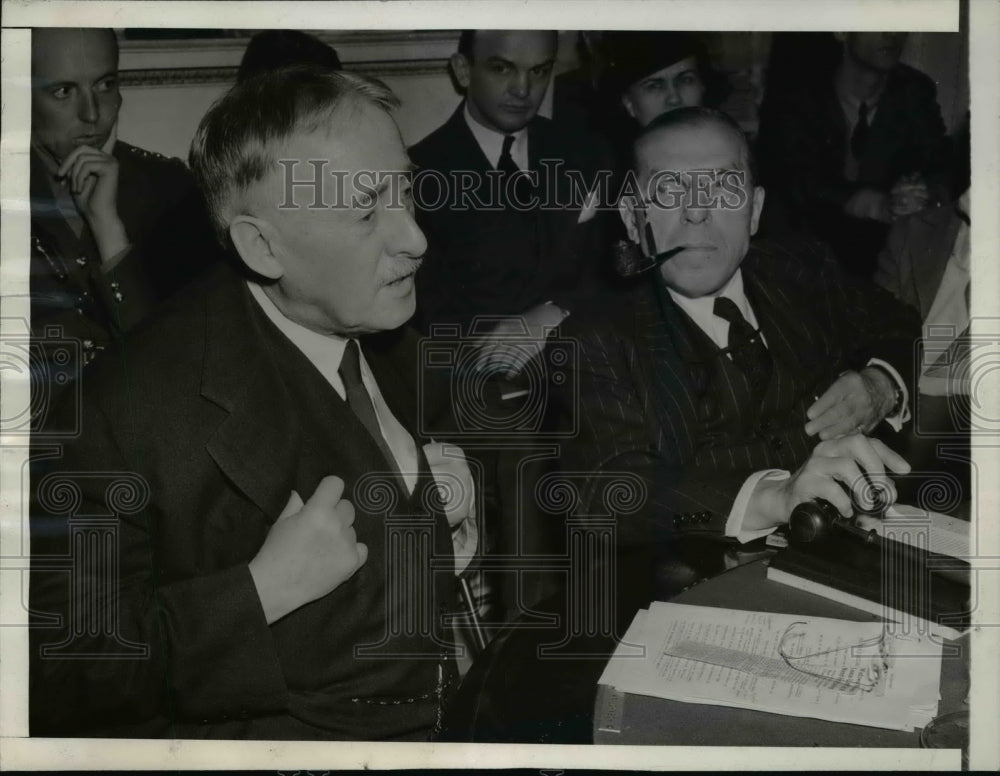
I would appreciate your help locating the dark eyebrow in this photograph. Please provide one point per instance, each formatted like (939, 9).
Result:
(59, 84)
(55, 84)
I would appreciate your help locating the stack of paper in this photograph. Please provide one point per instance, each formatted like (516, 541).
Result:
(917, 527)
(841, 671)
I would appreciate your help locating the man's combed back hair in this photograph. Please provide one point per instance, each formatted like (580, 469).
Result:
(237, 139)
(467, 42)
(692, 117)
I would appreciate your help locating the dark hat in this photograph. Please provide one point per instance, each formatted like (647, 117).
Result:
(634, 55)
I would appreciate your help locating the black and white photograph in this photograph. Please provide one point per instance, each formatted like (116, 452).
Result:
(384, 380)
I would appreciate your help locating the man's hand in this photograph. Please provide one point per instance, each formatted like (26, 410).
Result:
(454, 480)
(310, 550)
(508, 348)
(908, 195)
(92, 176)
(857, 401)
(870, 204)
(857, 462)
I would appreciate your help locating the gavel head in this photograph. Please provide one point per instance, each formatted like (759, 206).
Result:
(814, 520)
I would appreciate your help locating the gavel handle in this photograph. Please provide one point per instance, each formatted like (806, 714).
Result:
(868, 537)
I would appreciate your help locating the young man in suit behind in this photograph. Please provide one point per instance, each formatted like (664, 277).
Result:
(277, 561)
(508, 228)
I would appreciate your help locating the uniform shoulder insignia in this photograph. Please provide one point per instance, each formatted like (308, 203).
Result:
(143, 153)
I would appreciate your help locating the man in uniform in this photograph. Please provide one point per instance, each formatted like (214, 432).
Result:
(114, 228)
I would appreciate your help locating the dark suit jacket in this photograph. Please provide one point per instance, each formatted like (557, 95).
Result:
(802, 145)
(498, 261)
(912, 264)
(657, 398)
(213, 417)
(172, 243)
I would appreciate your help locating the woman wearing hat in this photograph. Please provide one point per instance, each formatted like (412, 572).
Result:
(654, 72)
(647, 74)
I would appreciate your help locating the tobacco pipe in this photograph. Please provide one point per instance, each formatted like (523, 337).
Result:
(631, 262)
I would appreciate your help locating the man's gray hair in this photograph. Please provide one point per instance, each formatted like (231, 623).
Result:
(238, 137)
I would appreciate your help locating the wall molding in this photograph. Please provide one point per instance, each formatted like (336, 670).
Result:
(175, 76)
(212, 61)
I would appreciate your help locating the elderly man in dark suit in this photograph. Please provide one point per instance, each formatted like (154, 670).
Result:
(115, 229)
(283, 565)
(737, 380)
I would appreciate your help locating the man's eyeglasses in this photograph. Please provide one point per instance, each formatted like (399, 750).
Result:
(844, 678)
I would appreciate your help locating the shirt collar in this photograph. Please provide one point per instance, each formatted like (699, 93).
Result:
(491, 142)
(324, 351)
(702, 310)
(851, 104)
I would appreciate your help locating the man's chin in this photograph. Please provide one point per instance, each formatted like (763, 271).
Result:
(398, 312)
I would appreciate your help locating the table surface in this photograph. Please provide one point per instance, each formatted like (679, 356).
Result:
(514, 693)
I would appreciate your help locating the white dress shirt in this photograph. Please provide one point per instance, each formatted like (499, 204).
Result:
(325, 352)
(491, 142)
(701, 312)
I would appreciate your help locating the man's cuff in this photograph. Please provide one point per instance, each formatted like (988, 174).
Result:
(895, 421)
(734, 524)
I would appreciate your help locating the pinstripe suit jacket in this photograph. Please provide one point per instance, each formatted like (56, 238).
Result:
(658, 398)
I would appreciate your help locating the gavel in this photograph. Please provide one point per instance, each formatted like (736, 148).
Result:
(818, 519)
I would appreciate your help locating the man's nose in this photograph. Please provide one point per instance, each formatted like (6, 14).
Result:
(520, 85)
(694, 215)
(406, 238)
(87, 108)
(673, 97)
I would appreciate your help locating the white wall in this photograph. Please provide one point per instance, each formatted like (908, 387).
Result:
(167, 87)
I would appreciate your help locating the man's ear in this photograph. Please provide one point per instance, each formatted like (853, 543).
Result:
(758, 206)
(628, 105)
(460, 67)
(253, 239)
(627, 211)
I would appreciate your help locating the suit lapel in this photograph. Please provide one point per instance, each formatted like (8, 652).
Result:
(466, 153)
(782, 318)
(664, 355)
(256, 445)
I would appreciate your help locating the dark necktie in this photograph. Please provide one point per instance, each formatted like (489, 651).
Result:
(359, 400)
(860, 134)
(508, 167)
(746, 347)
